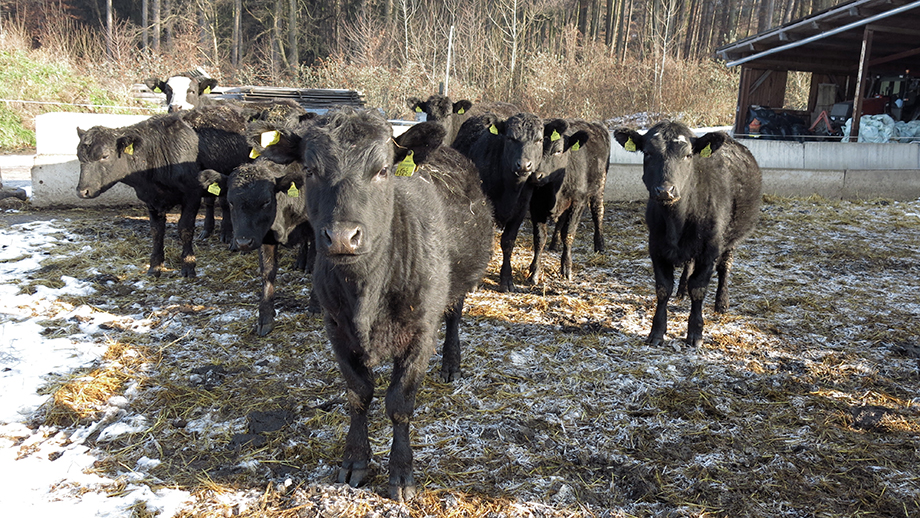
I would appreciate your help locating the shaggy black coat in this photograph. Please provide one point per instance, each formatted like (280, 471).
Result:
(704, 198)
(393, 254)
(506, 153)
(162, 158)
(452, 115)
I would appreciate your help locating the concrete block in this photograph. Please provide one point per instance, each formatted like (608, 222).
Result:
(776, 154)
(903, 185)
(796, 182)
(54, 184)
(624, 183)
(56, 133)
(860, 155)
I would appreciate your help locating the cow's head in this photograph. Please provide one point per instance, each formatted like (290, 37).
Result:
(105, 155)
(523, 146)
(438, 107)
(557, 149)
(672, 155)
(252, 192)
(182, 93)
(421, 139)
(346, 160)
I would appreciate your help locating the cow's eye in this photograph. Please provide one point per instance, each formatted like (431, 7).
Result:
(384, 171)
(309, 171)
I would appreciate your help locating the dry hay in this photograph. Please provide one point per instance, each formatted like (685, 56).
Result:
(801, 402)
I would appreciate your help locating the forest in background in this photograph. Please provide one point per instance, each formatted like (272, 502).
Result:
(596, 59)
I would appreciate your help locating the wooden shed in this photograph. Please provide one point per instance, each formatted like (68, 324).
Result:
(863, 55)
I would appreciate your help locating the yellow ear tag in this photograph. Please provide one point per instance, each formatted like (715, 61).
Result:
(707, 151)
(461, 111)
(130, 149)
(157, 90)
(214, 189)
(629, 145)
(293, 192)
(418, 109)
(576, 146)
(407, 166)
(555, 136)
(254, 154)
(207, 90)
(493, 130)
(270, 137)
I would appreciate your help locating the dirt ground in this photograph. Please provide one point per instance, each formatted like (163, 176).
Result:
(802, 401)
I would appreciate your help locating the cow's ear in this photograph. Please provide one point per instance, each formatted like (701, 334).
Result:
(291, 182)
(629, 139)
(576, 141)
(709, 143)
(463, 106)
(155, 85)
(127, 145)
(421, 139)
(80, 133)
(207, 178)
(206, 84)
(554, 129)
(276, 144)
(415, 104)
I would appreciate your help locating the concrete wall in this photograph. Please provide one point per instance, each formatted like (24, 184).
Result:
(833, 170)
(829, 169)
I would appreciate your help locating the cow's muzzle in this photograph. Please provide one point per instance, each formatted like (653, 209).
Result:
(345, 239)
(667, 194)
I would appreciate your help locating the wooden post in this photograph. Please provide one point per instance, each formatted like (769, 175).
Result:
(864, 56)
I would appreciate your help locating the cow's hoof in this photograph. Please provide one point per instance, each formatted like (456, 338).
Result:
(449, 374)
(188, 272)
(154, 272)
(264, 329)
(507, 287)
(402, 488)
(654, 340)
(696, 340)
(353, 472)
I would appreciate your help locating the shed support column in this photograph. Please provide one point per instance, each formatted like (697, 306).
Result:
(864, 56)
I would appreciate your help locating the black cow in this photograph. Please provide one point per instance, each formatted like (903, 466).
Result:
(162, 158)
(268, 210)
(506, 153)
(704, 198)
(183, 92)
(452, 115)
(393, 253)
(560, 193)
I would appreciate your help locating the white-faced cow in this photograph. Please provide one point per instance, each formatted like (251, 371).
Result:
(506, 153)
(704, 198)
(183, 92)
(397, 246)
(162, 158)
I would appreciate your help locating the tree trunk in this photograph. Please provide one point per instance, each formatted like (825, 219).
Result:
(236, 44)
(293, 48)
(157, 27)
(109, 50)
(145, 38)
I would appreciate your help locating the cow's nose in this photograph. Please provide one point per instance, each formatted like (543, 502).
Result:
(666, 192)
(524, 167)
(244, 243)
(343, 240)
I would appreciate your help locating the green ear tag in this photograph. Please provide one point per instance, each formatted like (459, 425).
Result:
(407, 166)
(707, 151)
(418, 109)
(214, 189)
(629, 145)
(576, 146)
(493, 130)
(461, 111)
(293, 192)
(157, 90)
(207, 90)
(130, 149)
(270, 137)
(555, 136)
(254, 154)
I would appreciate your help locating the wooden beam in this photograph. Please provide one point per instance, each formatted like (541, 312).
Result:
(864, 56)
(894, 57)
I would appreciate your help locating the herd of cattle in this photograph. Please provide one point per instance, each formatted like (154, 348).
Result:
(396, 231)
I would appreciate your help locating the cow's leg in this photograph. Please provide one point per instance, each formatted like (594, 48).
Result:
(359, 382)
(509, 235)
(597, 216)
(539, 242)
(450, 354)
(226, 223)
(682, 285)
(186, 234)
(664, 284)
(568, 231)
(208, 228)
(554, 242)
(408, 372)
(696, 286)
(723, 269)
(268, 265)
(157, 233)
